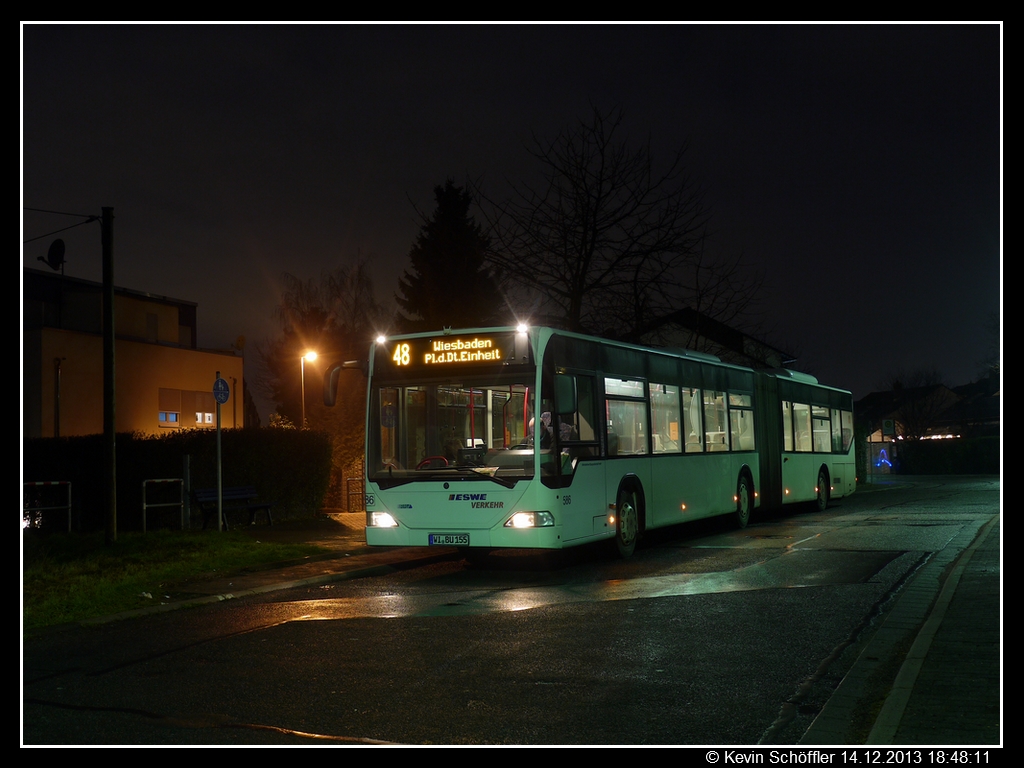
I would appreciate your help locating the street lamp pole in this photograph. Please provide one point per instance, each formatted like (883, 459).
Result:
(311, 356)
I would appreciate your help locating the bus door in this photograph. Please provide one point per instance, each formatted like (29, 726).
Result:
(580, 470)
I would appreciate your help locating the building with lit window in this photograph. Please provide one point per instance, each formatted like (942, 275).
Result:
(163, 381)
(894, 420)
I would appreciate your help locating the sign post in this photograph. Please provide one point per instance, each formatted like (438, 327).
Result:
(221, 392)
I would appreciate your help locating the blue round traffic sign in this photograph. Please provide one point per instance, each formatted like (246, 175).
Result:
(221, 391)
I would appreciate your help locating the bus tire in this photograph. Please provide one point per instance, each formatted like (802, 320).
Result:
(627, 522)
(822, 497)
(744, 500)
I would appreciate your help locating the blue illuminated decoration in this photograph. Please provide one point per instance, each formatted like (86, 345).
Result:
(882, 459)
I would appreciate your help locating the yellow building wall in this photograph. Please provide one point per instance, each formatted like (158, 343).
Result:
(131, 318)
(141, 370)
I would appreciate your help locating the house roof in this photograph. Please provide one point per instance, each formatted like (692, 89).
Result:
(883, 405)
(37, 280)
(972, 405)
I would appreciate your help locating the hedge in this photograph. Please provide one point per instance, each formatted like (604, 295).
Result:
(289, 468)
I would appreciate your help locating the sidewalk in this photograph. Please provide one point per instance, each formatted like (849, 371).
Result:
(933, 666)
(943, 636)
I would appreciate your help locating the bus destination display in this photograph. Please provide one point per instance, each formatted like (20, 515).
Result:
(483, 349)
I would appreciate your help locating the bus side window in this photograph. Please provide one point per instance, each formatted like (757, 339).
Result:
(716, 435)
(802, 427)
(692, 429)
(665, 416)
(613, 442)
(627, 422)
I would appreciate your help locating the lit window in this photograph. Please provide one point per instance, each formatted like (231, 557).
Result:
(168, 419)
(204, 418)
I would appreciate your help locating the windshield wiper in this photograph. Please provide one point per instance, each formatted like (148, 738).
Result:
(489, 472)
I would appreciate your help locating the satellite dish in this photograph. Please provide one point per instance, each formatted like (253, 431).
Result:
(55, 256)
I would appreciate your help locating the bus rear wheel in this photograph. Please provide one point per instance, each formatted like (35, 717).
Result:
(627, 522)
(744, 500)
(822, 497)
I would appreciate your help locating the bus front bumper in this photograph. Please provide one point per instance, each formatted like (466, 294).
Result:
(511, 538)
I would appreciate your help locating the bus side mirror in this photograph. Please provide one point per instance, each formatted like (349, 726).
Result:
(331, 384)
(565, 395)
(333, 373)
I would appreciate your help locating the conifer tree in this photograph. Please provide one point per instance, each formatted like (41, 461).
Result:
(447, 283)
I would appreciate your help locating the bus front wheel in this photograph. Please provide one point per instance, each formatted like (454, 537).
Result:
(627, 522)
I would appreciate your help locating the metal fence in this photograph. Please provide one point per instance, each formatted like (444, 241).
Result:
(355, 494)
(180, 503)
(39, 497)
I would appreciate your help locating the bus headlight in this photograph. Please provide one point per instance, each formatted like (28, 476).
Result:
(382, 520)
(530, 520)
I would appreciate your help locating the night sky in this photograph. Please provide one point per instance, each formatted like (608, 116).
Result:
(859, 165)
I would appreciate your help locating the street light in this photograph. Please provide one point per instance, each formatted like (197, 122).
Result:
(311, 356)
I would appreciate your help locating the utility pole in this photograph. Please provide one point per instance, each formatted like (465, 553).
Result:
(56, 394)
(109, 439)
(55, 259)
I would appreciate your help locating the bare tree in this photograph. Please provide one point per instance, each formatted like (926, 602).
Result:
(989, 366)
(918, 398)
(607, 244)
(335, 315)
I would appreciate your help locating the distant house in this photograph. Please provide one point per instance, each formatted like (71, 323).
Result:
(933, 412)
(977, 412)
(163, 381)
(904, 411)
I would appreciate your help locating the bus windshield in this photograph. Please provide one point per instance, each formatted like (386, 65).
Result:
(476, 428)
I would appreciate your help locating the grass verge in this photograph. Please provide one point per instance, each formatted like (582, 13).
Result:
(72, 577)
